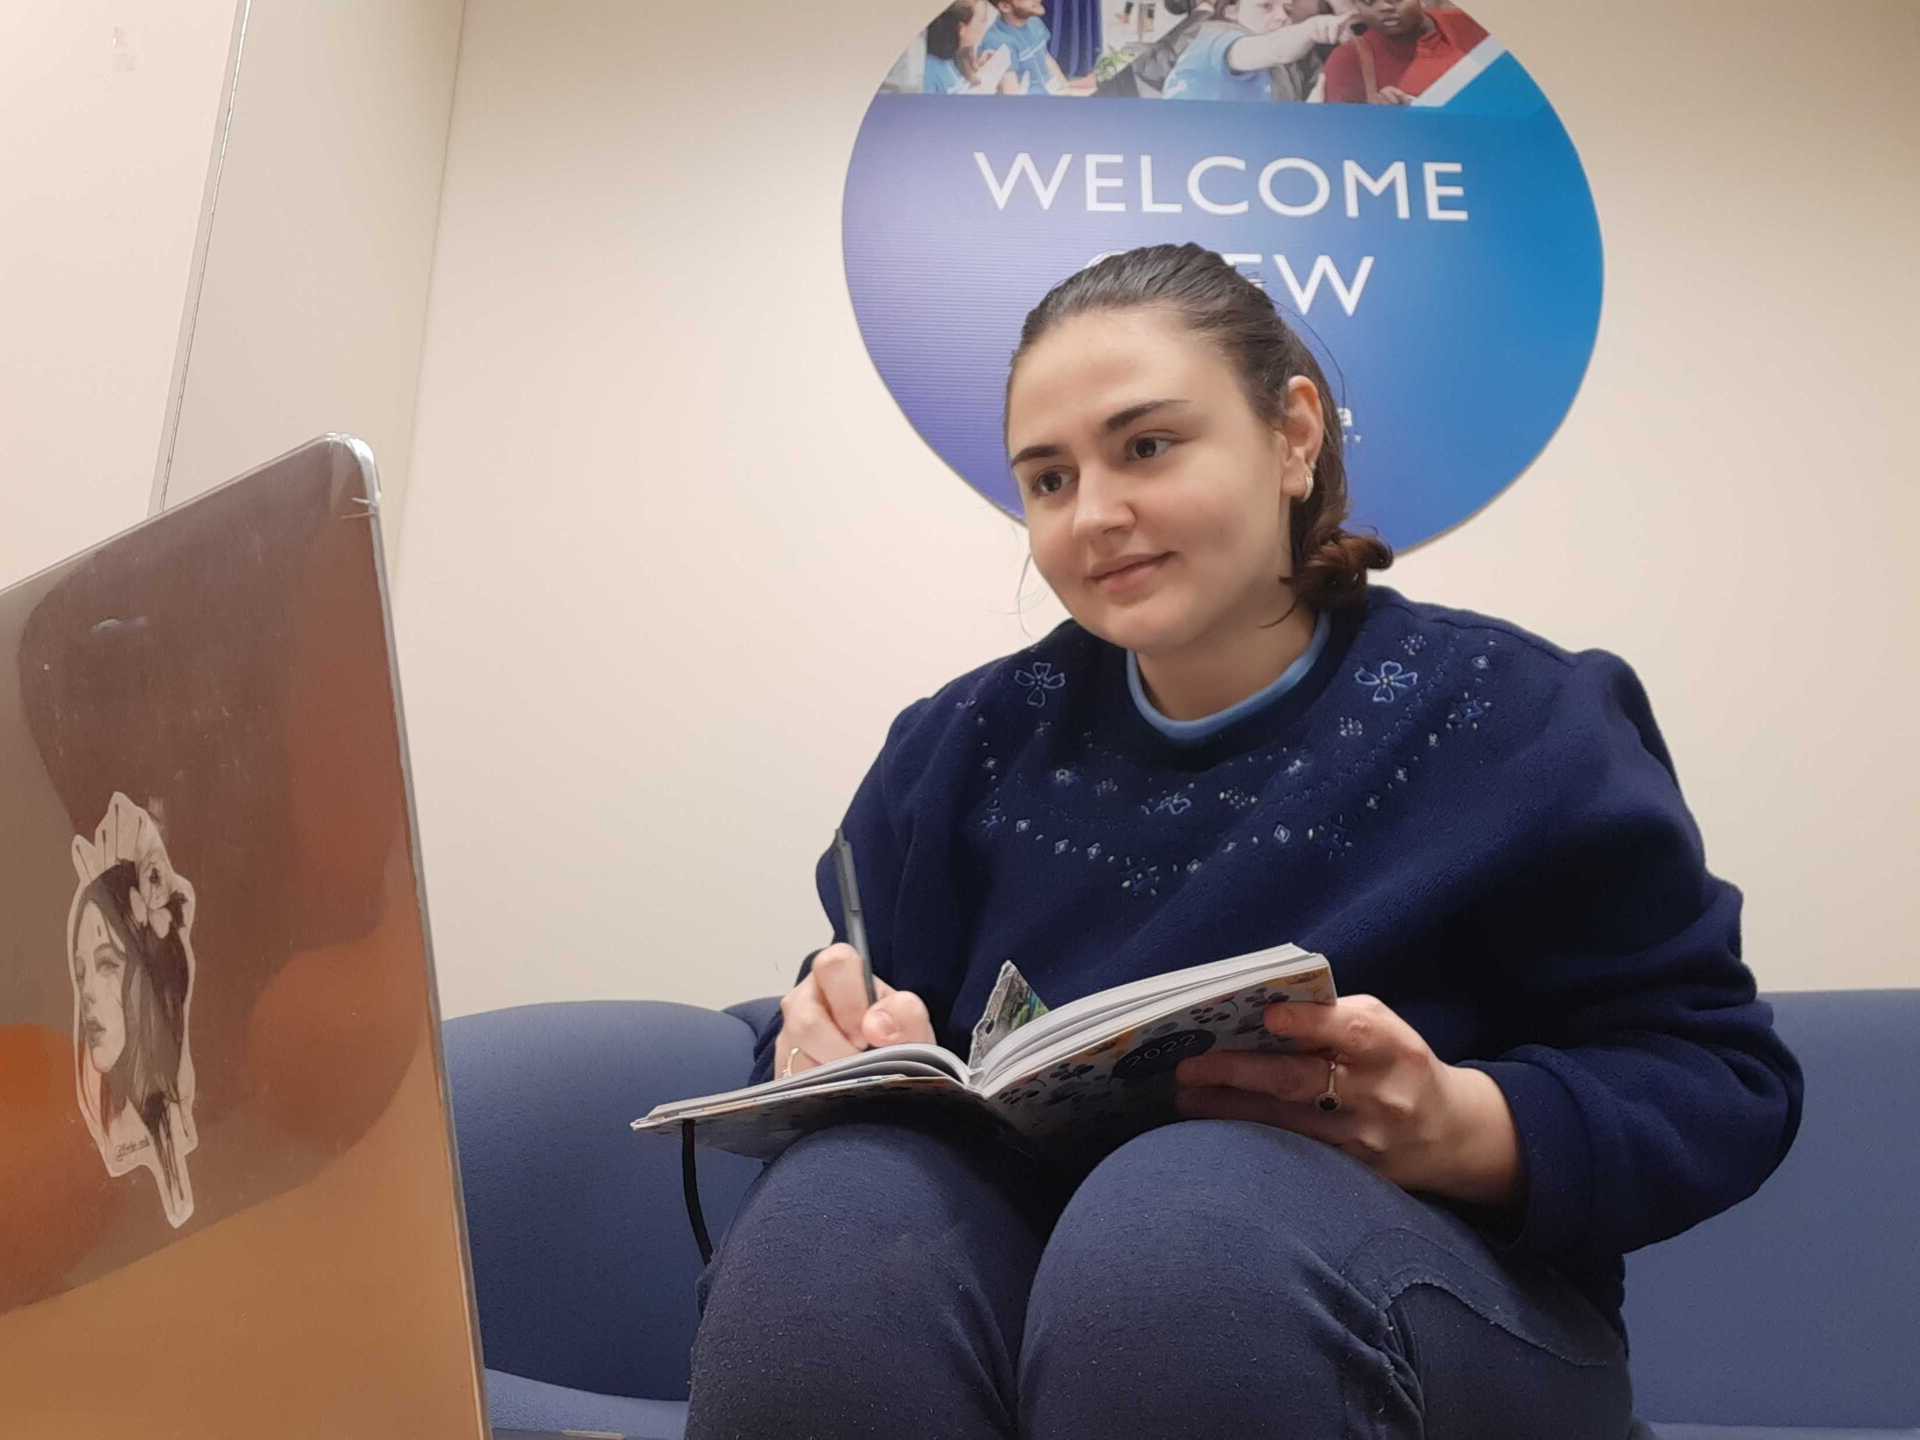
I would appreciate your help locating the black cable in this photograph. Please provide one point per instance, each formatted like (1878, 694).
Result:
(690, 1186)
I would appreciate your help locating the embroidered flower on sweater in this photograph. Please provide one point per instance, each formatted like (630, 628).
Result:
(1388, 681)
(1039, 680)
(1467, 712)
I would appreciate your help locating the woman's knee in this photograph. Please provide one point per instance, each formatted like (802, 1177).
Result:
(1218, 1188)
(1187, 1267)
(846, 1207)
(1204, 1216)
(870, 1265)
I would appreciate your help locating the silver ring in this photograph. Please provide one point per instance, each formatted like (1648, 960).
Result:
(792, 1054)
(1329, 1100)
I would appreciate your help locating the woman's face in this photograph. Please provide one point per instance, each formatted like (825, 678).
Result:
(1132, 441)
(99, 969)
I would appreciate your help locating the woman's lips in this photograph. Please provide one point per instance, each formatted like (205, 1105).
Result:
(1132, 577)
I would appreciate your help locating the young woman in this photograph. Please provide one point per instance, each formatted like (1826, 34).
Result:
(955, 65)
(1547, 1051)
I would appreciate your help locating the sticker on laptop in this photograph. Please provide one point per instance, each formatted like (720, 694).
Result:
(130, 957)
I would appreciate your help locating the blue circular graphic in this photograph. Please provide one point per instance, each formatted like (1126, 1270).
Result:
(1442, 257)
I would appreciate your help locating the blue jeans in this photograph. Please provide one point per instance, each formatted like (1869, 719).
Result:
(1208, 1278)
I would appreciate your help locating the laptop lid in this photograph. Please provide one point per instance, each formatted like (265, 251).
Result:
(228, 1197)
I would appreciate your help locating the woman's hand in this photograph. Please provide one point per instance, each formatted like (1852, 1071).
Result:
(1417, 1121)
(826, 1016)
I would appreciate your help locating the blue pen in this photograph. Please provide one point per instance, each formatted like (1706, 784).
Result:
(850, 907)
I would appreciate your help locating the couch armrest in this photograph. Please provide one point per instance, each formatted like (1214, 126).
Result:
(583, 1262)
(755, 1013)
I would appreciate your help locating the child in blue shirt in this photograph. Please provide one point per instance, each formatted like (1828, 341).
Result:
(1020, 28)
(1547, 1051)
(1231, 58)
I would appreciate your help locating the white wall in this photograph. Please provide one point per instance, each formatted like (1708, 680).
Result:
(314, 301)
(675, 559)
(107, 116)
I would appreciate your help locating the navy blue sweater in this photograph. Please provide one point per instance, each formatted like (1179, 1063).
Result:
(1472, 824)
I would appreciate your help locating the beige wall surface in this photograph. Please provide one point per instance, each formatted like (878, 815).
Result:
(108, 111)
(674, 558)
(314, 299)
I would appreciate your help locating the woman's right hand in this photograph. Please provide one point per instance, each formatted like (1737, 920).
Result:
(826, 1016)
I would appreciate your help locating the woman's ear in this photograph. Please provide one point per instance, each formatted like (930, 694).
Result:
(1303, 429)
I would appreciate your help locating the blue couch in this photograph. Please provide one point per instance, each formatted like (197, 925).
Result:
(1795, 1316)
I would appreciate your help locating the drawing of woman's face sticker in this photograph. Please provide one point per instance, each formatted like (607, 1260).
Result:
(99, 972)
(130, 957)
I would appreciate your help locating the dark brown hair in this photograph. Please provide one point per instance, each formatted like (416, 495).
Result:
(1215, 301)
(943, 37)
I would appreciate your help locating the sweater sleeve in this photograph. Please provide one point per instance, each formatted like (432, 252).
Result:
(1646, 1082)
(874, 831)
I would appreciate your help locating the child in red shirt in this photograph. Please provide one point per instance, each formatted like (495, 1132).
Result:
(1409, 46)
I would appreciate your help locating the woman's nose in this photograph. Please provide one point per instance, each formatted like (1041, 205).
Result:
(1099, 505)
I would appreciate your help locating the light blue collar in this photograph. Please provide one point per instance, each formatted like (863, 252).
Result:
(1192, 732)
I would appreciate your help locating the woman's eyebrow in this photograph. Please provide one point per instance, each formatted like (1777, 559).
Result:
(1119, 420)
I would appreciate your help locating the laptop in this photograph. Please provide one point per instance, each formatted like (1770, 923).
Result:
(229, 1203)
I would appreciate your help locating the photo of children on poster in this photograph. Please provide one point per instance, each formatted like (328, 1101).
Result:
(1335, 52)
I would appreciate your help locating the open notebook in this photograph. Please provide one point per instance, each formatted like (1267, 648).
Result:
(1095, 1070)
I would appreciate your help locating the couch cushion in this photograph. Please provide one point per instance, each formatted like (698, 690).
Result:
(756, 1013)
(583, 1264)
(517, 1403)
(1801, 1305)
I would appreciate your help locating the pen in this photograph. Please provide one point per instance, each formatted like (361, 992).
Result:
(850, 906)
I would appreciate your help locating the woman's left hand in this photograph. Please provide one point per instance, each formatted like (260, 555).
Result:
(1417, 1121)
